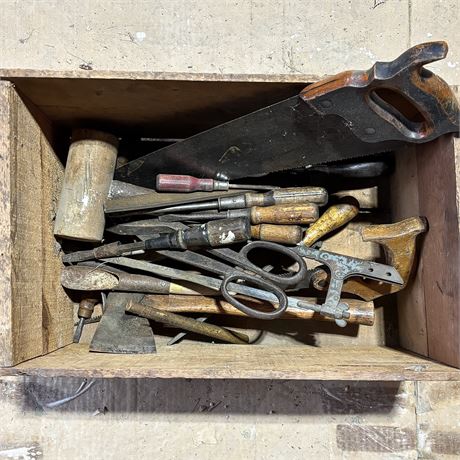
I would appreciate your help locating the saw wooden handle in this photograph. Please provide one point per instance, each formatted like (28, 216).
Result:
(396, 100)
(360, 312)
(284, 234)
(334, 217)
(399, 244)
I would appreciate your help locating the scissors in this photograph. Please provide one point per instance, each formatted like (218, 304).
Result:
(242, 269)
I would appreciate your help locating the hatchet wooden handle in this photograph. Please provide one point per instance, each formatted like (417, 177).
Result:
(360, 312)
(399, 244)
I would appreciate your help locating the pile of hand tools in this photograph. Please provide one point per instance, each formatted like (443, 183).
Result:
(184, 231)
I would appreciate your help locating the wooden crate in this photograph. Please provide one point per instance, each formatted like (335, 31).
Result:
(38, 110)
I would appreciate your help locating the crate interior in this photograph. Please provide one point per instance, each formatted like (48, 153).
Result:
(141, 113)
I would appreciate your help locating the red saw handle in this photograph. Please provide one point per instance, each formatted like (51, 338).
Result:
(397, 100)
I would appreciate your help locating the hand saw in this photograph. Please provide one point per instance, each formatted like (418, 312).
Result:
(349, 115)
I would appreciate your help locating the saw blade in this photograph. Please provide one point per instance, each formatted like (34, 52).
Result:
(349, 115)
(286, 135)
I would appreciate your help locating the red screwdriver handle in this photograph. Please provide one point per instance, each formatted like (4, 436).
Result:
(180, 183)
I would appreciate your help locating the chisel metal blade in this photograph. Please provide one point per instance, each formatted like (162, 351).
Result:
(350, 115)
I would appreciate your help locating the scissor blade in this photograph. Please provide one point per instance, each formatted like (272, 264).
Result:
(203, 280)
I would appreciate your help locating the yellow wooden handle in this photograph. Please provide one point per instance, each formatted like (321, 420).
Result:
(334, 217)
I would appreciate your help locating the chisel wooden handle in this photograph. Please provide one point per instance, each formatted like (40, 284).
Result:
(295, 214)
(284, 234)
(334, 217)
(188, 324)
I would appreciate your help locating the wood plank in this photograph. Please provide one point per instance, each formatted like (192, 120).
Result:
(411, 300)
(6, 323)
(240, 362)
(159, 108)
(23, 270)
(57, 308)
(438, 192)
(30, 180)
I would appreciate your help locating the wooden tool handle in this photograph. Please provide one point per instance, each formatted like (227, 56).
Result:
(284, 234)
(295, 195)
(399, 244)
(360, 312)
(88, 174)
(293, 214)
(334, 217)
(188, 324)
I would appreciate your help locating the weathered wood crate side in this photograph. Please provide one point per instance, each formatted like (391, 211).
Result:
(35, 312)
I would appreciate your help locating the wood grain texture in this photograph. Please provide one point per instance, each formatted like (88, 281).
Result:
(438, 191)
(235, 361)
(361, 312)
(176, 108)
(32, 301)
(26, 232)
(6, 333)
(410, 301)
(57, 308)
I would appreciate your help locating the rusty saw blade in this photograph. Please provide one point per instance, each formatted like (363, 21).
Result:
(350, 115)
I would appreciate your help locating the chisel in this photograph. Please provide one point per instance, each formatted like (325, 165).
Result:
(183, 183)
(291, 214)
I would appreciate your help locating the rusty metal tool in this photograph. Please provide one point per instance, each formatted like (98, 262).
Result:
(284, 234)
(353, 170)
(340, 266)
(189, 324)
(361, 312)
(333, 218)
(186, 184)
(215, 233)
(399, 244)
(290, 214)
(119, 189)
(118, 332)
(349, 115)
(85, 311)
(184, 202)
(178, 337)
(84, 278)
(134, 202)
(281, 196)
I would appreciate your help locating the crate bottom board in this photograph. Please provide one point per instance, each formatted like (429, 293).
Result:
(240, 362)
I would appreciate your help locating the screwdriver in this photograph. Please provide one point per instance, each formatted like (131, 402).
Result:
(212, 234)
(182, 183)
(317, 195)
(295, 214)
(85, 311)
